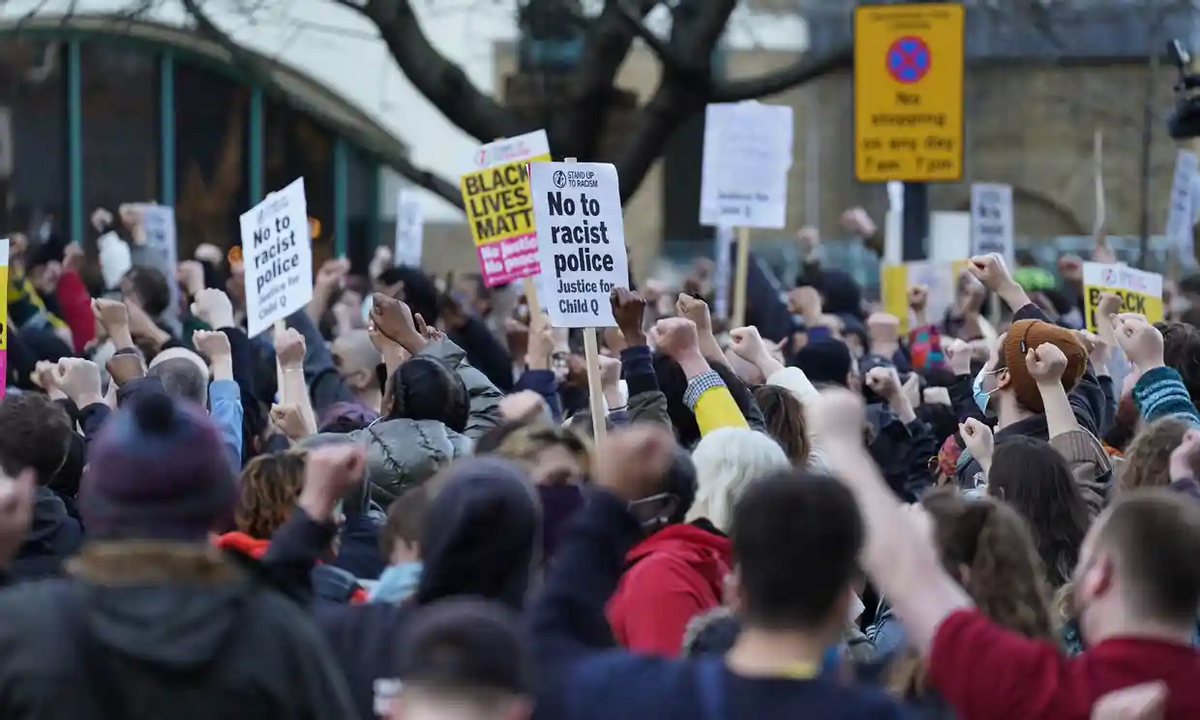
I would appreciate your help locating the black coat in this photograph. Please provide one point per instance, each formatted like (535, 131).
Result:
(222, 644)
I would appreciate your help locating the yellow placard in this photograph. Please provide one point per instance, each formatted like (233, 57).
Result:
(1131, 302)
(939, 278)
(893, 293)
(1140, 291)
(498, 203)
(908, 92)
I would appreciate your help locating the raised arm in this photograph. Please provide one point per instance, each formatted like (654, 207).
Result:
(899, 554)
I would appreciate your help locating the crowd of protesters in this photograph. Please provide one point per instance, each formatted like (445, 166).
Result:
(395, 506)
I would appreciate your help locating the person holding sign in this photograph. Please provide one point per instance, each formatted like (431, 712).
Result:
(278, 258)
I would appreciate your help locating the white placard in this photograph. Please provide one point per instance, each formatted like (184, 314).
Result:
(500, 152)
(277, 253)
(992, 220)
(410, 228)
(1181, 214)
(581, 241)
(158, 222)
(747, 154)
(722, 272)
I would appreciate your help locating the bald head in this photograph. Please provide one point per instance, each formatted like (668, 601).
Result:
(356, 358)
(182, 377)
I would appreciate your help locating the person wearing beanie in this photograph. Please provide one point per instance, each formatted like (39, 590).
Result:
(675, 571)
(152, 618)
(1006, 387)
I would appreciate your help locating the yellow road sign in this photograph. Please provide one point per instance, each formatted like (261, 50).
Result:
(908, 92)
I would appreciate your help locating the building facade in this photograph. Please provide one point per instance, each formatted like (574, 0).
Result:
(94, 113)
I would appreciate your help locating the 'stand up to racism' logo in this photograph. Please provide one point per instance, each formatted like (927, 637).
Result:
(500, 154)
(560, 179)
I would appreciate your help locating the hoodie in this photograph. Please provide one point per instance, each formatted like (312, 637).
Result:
(149, 630)
(670, 577)
(53, 537)
(329, 584)
(481, 538)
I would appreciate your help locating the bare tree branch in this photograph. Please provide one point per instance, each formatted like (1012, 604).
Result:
(421, 177)
(682, 92)
(435, 76)
(662, 50)
(261, 76)
(605, 48)
(807, 67)
(671, 105)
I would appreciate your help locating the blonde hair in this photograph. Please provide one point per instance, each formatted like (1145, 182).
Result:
(727, 460)
(525, 443)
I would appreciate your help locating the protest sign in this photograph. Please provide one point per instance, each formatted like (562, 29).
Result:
(724, 269)
(278, 257)
(747, 154)
(581, 241)
(1181, 214)
(532, 146)
(992, 220)
(158, 224)
(941, 278)
(3, 316)
(1140, 291)
(509, 249)
(410, 228)
(501, 217)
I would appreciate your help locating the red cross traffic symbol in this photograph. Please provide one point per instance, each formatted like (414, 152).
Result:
(908, 59)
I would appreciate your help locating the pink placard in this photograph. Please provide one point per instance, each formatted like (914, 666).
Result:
(508, 260)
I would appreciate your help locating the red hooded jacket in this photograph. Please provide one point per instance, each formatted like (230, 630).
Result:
(670, 577)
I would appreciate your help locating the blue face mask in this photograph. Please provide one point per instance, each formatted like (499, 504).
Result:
(982, 396)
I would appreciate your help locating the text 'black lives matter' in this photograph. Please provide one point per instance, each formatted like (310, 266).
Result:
(499, 201)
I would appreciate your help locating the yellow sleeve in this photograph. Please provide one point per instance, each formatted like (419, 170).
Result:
(715, 408)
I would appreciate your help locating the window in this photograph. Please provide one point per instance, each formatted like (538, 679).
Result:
(211, 141)
(298, 147)
(33, 136)
(360, 183)
(120, 97)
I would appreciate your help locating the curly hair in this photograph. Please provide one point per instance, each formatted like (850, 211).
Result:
(785, 421)
(35, 432)
(1148, 456)
(987, 547)
(268, 489)
(1035, 479)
